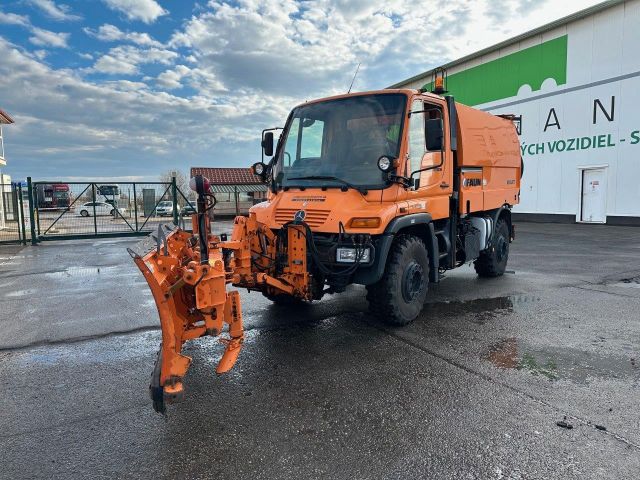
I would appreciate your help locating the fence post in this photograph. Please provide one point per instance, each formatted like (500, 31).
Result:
(32, 218)
(93, 200)
(135, 205)
(174, 197)
(21, 215)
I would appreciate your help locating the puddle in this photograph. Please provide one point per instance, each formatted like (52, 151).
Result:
(504, 354)
(481, 309)
(21, 293)
(627, 283)
(86, 272)
(561, 363)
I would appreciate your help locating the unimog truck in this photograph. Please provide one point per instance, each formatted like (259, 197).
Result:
(387, 189)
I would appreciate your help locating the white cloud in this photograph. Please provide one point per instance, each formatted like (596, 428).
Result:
(111, 33)
(203, 81)
(40, 36)
(126, 58)
(171, 79)
(147, 11)
(47, 38)
(40, 54)
(57, 12)
(14, 19)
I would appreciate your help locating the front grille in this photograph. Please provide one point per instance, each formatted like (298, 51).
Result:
(313, 217)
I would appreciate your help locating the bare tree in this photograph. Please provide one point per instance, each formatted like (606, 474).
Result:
(182, 182)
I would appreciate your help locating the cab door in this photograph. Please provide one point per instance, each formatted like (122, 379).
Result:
(432, 188)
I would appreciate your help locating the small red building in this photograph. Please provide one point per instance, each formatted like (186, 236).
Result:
(236, 189)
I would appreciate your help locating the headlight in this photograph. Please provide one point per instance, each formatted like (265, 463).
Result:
(259, 168)
(385, 163)
(350, 255)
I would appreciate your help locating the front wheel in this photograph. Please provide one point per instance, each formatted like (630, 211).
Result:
(398, 298)
(84, 213)
(493, 261)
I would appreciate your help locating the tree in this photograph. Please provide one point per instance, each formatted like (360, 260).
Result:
(182, 182)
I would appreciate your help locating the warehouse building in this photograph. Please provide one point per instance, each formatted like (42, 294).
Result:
(576, 84)
(5, 180)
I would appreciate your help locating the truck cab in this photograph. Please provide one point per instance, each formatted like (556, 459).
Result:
(396, 186)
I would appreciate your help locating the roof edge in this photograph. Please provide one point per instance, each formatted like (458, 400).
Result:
(5, 118)
(536, 31)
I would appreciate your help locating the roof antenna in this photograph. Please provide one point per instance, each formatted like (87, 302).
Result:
(354, 77)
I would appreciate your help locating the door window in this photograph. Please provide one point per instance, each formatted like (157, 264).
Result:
(417, 147)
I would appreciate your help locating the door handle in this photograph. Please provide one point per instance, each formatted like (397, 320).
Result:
(444, 185)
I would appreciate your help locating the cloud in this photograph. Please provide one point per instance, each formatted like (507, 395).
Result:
(171, 79)
(40, 37)
(47, 38)
(111, 33)
(120, 127)
(57, 12)
(14, 19)
(147, 11)
(126, 58)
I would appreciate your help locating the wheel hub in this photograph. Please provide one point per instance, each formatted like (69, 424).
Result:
(501, 248)
(412, 281)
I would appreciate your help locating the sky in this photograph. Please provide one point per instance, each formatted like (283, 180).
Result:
(131, 89)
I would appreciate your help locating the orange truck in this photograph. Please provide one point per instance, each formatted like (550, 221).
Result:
(387, 189)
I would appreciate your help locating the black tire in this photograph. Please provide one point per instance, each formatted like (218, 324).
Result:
(493, 261)
(398, 298)
(84, 213)
(112, 212)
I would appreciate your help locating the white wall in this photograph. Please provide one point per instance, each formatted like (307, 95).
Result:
(600, 48)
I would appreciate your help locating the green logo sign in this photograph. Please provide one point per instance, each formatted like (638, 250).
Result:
(503, 77)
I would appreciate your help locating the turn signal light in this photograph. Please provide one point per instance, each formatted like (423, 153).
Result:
(364, 222)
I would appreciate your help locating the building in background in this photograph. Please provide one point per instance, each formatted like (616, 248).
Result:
(236, 189)
(576, 84)
(5, 180)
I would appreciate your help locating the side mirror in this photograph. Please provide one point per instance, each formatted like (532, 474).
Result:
(267, 144)
(260, 169)
(434, 134)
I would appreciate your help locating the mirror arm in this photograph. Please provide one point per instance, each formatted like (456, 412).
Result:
(432, 167)
(399, 179)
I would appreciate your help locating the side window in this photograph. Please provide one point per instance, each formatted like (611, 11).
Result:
(417, 145)
(311, 144)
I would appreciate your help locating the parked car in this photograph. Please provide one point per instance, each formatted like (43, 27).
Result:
(101, 208)
(187, 210)
(165, 208)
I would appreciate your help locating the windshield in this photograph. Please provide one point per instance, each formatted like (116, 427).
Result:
(165, 204)
(340, 140)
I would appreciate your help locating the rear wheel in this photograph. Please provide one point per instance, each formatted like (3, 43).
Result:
(398, 298)
(493, 261)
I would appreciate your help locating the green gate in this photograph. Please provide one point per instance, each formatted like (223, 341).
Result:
(61, 210)
(12, 218)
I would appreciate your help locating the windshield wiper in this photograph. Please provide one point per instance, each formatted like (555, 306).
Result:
(330, 177)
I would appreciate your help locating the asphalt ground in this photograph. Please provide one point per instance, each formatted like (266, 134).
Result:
(473, 389)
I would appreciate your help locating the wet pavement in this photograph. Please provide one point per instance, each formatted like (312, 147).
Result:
(474, 388)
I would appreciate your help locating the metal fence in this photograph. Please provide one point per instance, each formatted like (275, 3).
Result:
(12, 218)
(67, 210)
